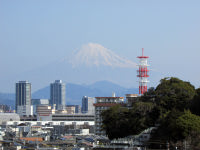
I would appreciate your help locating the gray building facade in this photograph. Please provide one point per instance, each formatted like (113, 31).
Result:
(87, 104)
(22, 94)
(57, 95)
(38, 102)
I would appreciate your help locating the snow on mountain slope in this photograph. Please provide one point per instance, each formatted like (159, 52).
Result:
(93, 54)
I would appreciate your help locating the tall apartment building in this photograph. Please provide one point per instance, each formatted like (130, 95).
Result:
(23, 98)
(87, 105)
(57, 95)
(103, 103)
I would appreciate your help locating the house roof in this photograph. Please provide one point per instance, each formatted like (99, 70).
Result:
(109, 97)
(40, 139)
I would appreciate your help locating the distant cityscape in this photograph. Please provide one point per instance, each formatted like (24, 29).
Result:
(25, 106)
(50, 121)
(53, 119)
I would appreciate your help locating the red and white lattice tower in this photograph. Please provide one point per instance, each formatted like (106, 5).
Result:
(143, 73)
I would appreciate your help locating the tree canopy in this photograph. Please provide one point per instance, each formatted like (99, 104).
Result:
(115, 122)
(173, 93)
(195, 104)
(167, 105)
(119, 122)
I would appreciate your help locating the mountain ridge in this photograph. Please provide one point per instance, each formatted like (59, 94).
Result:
(82, 73)
(75, 92)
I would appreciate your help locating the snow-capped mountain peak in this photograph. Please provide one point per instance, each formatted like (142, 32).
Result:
(93, 54)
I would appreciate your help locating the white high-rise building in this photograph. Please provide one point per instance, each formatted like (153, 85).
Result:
(57, 95)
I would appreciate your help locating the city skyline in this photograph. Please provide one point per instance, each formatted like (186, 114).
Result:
(36, 34)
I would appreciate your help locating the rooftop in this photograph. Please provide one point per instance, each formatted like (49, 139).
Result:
(109, 97)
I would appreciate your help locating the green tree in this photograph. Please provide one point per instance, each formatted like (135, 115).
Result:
(186, 124)
(178, 127)
(149, 96)
(120, 122)
(195, 104)
(165, 106)
(141, 116)
(173, 93)
(115, 121)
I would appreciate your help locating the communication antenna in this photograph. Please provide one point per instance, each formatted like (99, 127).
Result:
(143, 73)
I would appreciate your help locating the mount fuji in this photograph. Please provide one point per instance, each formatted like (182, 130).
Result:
(93, 54)
(81, 72)
(90, 63)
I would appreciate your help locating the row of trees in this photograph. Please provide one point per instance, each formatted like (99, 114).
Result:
(174, 105)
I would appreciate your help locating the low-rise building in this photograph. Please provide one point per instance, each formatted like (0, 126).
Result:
(72, 117)
(77, 108)
(71, 109)
(37, 102)
(44, 113)
(131, 98)
(25, 110)
(4, 117)
(78, 131)
(103, 103)
(4, 108)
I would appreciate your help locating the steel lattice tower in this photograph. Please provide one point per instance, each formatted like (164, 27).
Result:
(143, 73)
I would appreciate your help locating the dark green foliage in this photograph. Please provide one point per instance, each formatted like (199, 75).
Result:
(167, 105)
(178, 126)
(186, 124)
(140, 116)
(149, 96)
(195, 104)
(166, 129)
(120, 122)
(173, 93)
(115, 121)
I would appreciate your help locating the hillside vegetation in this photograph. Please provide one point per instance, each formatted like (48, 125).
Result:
(173, 106)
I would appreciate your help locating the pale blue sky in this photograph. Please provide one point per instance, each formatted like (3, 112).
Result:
(34, 33)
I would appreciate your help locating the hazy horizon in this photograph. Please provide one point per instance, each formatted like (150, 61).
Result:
(35, 35)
